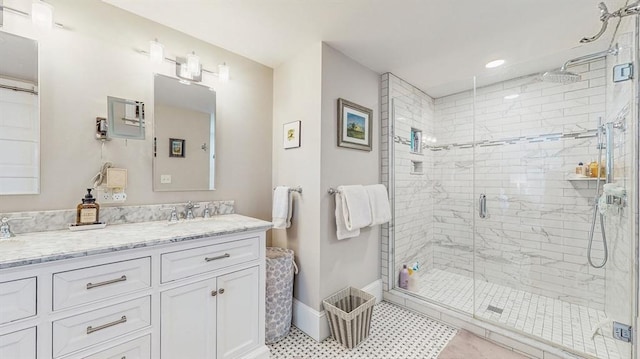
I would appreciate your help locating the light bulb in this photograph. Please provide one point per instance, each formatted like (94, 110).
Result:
(223, 72)
(42, 14)
(193, 64)
(156, 52)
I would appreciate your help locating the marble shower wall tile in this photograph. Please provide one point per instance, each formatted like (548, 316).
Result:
(39, 221)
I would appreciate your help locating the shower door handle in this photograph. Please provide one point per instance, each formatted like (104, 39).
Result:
(482, 206)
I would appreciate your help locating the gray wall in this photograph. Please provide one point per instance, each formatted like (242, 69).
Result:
(307, 88)
(95, 58)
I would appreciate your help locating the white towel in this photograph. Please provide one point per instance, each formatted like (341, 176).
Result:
(341, 231)
(355, 207)
(282, 205)
(379, 203)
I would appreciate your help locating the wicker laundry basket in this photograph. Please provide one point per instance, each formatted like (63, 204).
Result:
(349, 314)
(279, 293)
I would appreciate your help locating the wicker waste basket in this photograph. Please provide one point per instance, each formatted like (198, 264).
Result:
(279, 293)
(349, 314)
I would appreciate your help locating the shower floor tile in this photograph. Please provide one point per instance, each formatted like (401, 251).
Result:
(560, 322)
(395, 333)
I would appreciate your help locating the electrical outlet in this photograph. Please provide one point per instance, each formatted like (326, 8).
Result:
(104, 195)
(119, 196)
(165, 179)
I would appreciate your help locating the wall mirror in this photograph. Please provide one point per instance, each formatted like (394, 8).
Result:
(19, 116)
(125, 118)
(184, 135)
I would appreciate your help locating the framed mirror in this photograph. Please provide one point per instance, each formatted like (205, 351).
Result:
(19, 116)
(184, 135)
(125, 118)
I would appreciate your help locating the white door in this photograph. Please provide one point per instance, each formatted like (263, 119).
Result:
(20, 137)
(188, 321)
(238, 318)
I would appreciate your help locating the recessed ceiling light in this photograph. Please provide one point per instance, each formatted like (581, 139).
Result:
(494, 63)
(511, 97)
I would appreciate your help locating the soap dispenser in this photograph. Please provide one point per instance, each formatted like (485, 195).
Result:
(88, 211)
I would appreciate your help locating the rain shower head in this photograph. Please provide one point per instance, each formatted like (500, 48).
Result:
(561, 76)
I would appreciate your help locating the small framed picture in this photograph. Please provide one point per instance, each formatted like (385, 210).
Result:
(291, 135)
(176, 147)
(354, 125)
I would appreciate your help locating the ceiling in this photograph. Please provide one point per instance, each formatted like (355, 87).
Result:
(437, 45)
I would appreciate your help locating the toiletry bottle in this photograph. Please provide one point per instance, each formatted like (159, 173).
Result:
(593, 169)
(403, 280)
(88, 210)
(579, 169)
(585, 171)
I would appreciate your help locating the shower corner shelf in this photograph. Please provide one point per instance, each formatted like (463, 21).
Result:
(575, 178)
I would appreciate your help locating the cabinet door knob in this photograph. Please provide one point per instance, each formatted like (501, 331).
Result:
(214, 293)
(221, 291)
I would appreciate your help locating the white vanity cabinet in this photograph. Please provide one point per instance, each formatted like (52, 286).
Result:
(191, 298)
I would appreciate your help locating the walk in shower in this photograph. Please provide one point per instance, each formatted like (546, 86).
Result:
(492, 216)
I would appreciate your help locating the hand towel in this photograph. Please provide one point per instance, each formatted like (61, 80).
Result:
(379, 202)
(341, 231)
(355, 207)
(281, 211)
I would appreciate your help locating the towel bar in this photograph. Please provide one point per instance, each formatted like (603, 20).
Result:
(332, 190)
(293, 189)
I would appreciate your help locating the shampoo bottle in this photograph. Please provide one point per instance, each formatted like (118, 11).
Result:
(88, 210)
(593, 169)
(403, 279)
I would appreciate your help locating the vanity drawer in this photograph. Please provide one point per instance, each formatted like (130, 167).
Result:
(80, 331)
(181, 264)
(136, 349)
(89, 284)
(17, 299)
(20, 344)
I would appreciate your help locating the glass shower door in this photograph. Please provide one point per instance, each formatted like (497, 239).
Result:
(534, 211)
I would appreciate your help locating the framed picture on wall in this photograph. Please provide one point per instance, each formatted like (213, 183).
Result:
(354, 125)
(291, 135)
(176, 147)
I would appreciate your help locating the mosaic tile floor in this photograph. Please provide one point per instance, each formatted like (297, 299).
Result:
(395, 333)
(551, 319)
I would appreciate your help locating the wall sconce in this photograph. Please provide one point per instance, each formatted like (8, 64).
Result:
(188, 68)
(41, 14)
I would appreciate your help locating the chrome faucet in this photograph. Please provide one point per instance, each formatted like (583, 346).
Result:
(5, 229)
(189, 209)
(173, 216)
(207, 212)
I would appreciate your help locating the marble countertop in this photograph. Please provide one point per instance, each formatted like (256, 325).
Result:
(40, 247)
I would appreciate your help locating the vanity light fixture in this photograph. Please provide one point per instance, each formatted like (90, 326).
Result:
(193, 64)
(189, 68)
(156, 51)
(494, 63)
(41, 14)
(223, 72)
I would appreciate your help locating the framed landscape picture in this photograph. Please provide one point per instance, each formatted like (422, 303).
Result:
(354, 125)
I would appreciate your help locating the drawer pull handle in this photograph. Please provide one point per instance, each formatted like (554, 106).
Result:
(107, 282)
(221, 290)
(91, 329)
(214, 293)
(209, 259)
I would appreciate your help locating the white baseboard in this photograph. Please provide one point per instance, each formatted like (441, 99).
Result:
(314, 323)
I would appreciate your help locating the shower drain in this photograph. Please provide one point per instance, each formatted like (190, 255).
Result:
(495, 309)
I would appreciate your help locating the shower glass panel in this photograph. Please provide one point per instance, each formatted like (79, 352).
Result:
(531, 273)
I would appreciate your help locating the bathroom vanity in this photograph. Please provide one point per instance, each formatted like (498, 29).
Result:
(192, 289)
